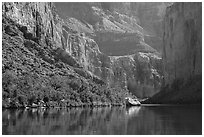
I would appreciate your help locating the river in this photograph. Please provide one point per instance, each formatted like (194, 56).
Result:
(104, 120)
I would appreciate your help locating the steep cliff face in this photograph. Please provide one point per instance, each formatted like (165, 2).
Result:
(38, 19)
(183, 41)
(140, 73)
(114, 29)
(116, 34)
(69, 45)
(37, 69)
(40, 23)
(182, 54)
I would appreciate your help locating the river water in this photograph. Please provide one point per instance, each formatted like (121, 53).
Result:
(107, 120)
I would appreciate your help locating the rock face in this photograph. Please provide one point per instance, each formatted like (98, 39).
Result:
(119, 35)
(140, 73)
(38, 19)
(44, 60)
(116, 31)
(182, 54)
(72, 42)
(150, 15)
(183, 41)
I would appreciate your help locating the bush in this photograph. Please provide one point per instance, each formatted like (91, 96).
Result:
(30, 88)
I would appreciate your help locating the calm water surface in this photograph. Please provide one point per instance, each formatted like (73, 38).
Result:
(115, 120)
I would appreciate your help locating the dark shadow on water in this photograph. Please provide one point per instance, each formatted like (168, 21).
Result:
(116, 120)
(170, 120)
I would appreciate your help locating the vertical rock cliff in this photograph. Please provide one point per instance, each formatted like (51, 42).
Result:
(42, 61)
(38, 20)
(55, 60)
(117, 34)
(182, 54)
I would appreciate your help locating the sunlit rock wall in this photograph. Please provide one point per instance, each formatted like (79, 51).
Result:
(139, 72)
(39, 19)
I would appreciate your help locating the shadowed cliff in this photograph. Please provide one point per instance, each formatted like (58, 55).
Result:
(182, 55)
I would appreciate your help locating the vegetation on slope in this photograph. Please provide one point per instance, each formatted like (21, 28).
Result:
(32, 74)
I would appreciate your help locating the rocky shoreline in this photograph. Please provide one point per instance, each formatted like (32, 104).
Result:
(55, 104)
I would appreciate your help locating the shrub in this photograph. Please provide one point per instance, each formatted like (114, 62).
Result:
(30, 88)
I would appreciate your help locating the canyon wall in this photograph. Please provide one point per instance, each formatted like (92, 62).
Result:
(182, 54)
(39, 20)
(36, 68)
(65, 40)
(119, 35)
(115, 26)
(183, 41)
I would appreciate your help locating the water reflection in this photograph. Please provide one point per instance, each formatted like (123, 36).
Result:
(115, 120)
(132, 111)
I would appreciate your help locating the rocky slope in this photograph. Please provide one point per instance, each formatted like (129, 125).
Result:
(150, 15)
(51, 59)
(116, 34)
(182, 55)
(38, 68)
(115, 29)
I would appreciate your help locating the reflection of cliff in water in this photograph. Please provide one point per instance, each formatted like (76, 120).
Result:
(64, 121)
(110, 120)
(132, 111)
(171, 119)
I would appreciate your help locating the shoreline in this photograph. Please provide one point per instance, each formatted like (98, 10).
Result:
(66, 106)
(101, 105)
